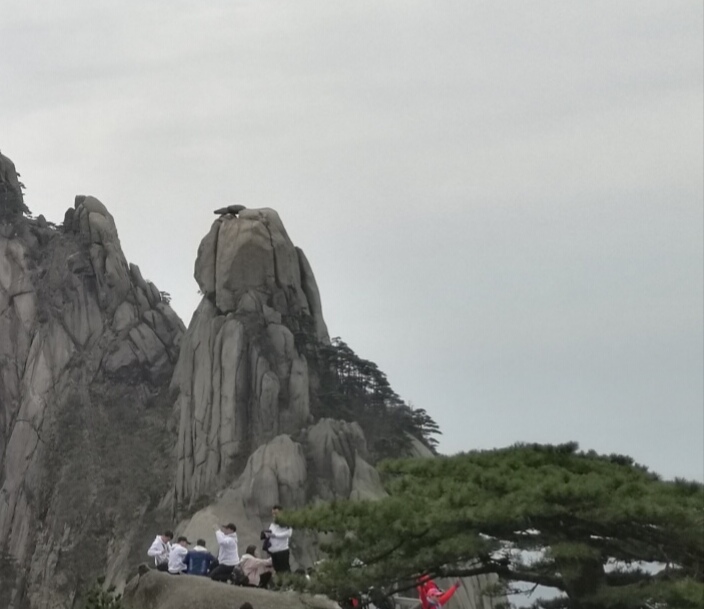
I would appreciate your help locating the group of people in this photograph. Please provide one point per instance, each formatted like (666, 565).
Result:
(248, 570)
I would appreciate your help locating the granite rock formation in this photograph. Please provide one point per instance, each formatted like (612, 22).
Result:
(87, 348)
(154, 590)
(242, 378)
(244, 391)
(115, 419)
(326, 461)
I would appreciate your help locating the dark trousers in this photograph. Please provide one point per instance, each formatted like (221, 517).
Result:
(222, 573)
(164, 566)
(279, 560)
(264, 579)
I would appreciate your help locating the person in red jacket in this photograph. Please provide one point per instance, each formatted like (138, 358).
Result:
(432, 597)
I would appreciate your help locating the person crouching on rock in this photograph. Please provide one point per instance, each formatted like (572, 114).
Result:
(177, 556)
(159, 550)
(258, 571)
(199, 561)
(228, 556)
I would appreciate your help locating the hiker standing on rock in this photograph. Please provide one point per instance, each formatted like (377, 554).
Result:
(159, 550)
(278, 537)
(228, 556)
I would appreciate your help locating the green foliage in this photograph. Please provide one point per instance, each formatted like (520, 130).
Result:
(99, 597)
(354, 389)
(11, 193)
(592, 521)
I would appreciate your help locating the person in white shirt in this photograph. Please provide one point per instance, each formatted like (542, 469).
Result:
(228, 556)
(258, 571)
(278, 537)
(177, 556)
(159, 550)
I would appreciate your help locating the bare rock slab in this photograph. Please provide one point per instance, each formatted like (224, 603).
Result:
(155, 590)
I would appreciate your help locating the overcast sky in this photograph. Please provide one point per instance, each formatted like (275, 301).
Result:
(502, 201)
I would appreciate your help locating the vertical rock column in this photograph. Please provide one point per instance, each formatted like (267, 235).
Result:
(241, 377)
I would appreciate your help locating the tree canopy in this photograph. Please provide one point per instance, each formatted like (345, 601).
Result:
(602, 530)
(355, 389)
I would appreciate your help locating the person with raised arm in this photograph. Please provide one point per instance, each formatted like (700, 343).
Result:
(228, 555)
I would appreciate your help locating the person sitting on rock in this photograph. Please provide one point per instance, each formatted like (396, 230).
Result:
(199, 561)
(258, 571)
(159, 550)
(177, 556)
(228, 556)
(278, 537)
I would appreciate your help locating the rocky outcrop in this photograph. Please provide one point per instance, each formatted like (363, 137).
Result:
(96, 371)
(246, 437)
(242, 377)
(418, 450)
(87, 348)
(154, 590)
(326, 462)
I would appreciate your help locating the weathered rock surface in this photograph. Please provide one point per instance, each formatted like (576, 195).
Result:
(418, 449)
(96, 371)
(155, 590)
(326, 462)
(242, 378)
(244, 390)
(87, 348)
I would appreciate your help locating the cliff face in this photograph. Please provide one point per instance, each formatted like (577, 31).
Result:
(114, 417)
(87, 348)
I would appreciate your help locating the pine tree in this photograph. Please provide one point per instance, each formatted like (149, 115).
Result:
(585, 524)
(355, 389)
(99, 597)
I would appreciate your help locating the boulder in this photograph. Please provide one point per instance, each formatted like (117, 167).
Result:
(155, 590)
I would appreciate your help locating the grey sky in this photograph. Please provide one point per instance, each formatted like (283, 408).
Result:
(502, 202)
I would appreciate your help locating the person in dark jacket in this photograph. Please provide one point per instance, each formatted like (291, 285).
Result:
(199, 561)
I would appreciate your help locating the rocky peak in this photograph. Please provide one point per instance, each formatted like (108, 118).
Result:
(248, 264)
(242, 377)
(95, 369)
(86, 351)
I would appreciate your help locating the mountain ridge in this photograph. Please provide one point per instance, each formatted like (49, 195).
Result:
(116, 419)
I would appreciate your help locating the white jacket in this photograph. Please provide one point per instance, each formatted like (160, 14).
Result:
(278, 540)
(177, 558)
(159, 550)
(228, 554)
